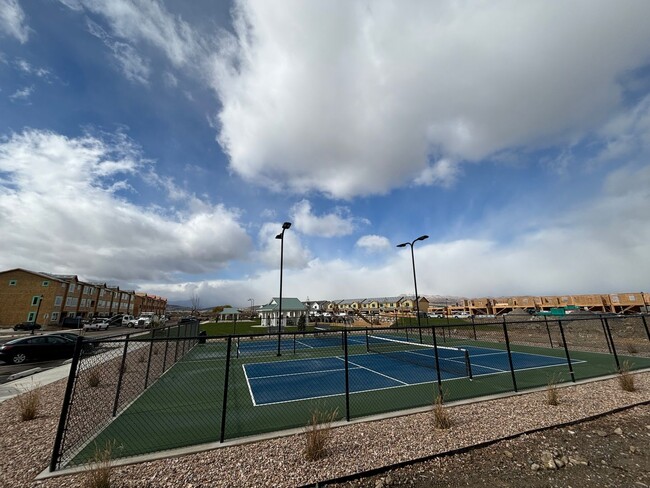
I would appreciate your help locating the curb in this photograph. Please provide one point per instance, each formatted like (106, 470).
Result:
(22, 374)
(462, 450)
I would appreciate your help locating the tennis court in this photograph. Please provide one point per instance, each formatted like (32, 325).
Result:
(226, 388)
(401, 364)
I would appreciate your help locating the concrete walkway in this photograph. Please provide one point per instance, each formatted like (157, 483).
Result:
(13, 388)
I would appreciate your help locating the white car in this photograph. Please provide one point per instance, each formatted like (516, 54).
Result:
(97, 325)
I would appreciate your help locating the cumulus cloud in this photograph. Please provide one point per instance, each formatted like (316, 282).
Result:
(12, 20)
(373, 243)
(443, 172)
(337, 223)
(61, 211)
(296, 255)
(340, 98)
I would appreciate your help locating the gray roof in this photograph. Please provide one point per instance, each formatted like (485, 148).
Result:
(229, 311)
(288, 304)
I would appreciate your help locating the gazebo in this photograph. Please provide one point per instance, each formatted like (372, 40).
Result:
(291, 308)
(229, 314)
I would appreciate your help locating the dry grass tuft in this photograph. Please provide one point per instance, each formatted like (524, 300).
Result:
(141, 358)
(625, 378)
(29, 404)
(441, 418)
(317, 434)
(99, 474)
(631, 348)
(552, 395)
(93, 378)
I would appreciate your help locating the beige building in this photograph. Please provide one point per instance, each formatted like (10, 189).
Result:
(48, 299)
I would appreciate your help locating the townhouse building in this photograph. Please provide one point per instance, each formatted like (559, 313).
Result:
(48, 299)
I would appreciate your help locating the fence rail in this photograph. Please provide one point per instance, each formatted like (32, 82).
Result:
(175, 386)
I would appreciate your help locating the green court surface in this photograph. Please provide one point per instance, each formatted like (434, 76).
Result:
(184, 407)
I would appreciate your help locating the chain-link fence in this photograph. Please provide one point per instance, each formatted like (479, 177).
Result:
(177, 387)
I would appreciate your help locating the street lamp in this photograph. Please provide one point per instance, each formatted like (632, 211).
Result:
(40, 299)
(280, 236)
(415, 282)
(252, 300)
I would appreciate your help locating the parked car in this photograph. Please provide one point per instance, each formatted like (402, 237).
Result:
(36, 348)
(89, 345)
(27, 326)
(129, 320)
(116, 320)
(97, 324)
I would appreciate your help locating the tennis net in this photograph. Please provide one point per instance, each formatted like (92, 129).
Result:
(451, 359)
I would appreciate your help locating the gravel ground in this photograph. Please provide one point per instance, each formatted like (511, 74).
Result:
(25, 447)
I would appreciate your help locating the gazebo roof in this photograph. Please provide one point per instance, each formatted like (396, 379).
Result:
(288, 304)
(229, 311)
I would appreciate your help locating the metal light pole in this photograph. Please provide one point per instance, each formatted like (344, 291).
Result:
(280, 236)
(38, 309)
(252, 300)
(415, 282)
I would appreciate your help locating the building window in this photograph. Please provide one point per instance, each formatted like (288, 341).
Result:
(13, 282)
(31, 317)
(71, 288)
(45, 283)
(55, 317)
(35, 300)
(58, 300)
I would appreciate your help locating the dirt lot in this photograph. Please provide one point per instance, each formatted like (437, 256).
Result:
(612, 451)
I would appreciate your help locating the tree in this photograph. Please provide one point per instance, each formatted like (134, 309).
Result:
(302, 323)
(196, 302)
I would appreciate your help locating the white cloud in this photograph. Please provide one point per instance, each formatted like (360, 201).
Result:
(295, 254)
(333, 224)
(340, 98)
(133, 66)
(22, 94)
(24, 66)
(60, 211)
(373, 243)
(599, 247)
(443, 172)
(12, 20)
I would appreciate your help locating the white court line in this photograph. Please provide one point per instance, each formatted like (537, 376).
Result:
(297, 374)
(248, 383)
(373, 371)
(303, 344)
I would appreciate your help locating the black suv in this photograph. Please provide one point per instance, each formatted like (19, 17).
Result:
(27, 326)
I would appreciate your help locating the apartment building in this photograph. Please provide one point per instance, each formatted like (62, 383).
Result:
(29, 296)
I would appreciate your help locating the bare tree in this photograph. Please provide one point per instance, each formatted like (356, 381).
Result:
(196, 302)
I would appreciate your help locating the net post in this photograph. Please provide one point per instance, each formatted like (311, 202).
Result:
(121, 375)
(224, 408)
(469, 365)
(237, 349)
(611, 340)
(512, 368)
(347, 375)
(67, 401)
(548, 331)
(294, 343)
(566, 351)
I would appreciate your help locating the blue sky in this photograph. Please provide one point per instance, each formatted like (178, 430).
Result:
(160, 146)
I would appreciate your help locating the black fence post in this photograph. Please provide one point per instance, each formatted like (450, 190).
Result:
(166, 347)
(224, 409)
(347, 376)
(602, 323)
(474, 327)
(512, 368)
(435, 354)
(645, 324)
(566, 351)
(146, 376)
(67, 401)
(548, 331)
(611, 340)
(120, 376)
(367, 341)
(178, 334)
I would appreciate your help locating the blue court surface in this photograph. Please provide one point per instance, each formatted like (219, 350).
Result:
(303, 379)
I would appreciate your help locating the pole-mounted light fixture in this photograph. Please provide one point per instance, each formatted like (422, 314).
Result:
(280, 236)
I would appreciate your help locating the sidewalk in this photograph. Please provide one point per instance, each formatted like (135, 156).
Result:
(13, 388)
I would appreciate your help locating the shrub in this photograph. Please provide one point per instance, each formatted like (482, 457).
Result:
(93, 378)
(441, 418)
(141, 358)
(625, 378)
(99, 474)
(317, 434)
(552, 396)
(29, 404)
